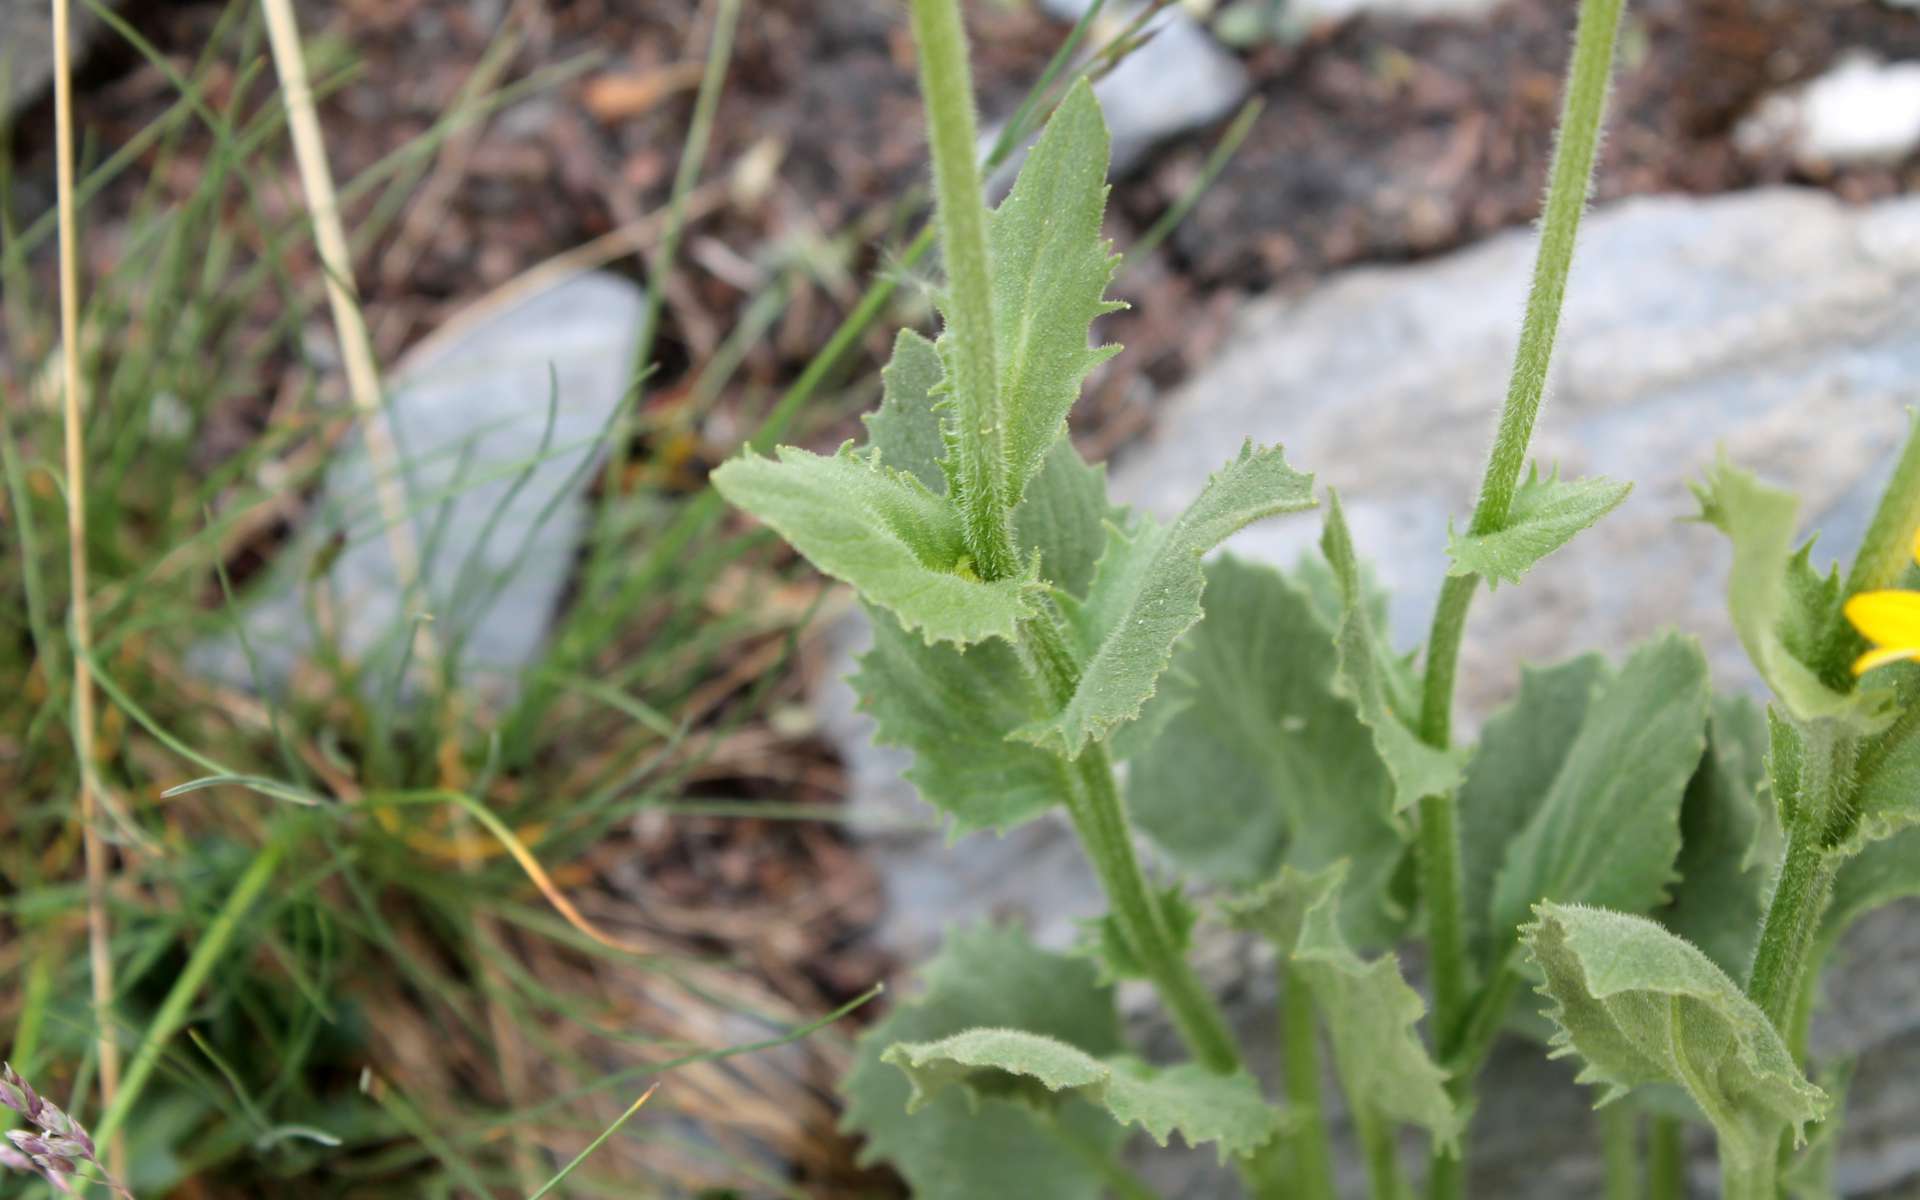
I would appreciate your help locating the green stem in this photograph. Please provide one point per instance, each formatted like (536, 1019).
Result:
(961, 213)
(1620, 1144)
(1888, 546)
(1667, 1160)
(1312, 1146)
(1759, 1182)
(1381, 1154)
(1793, 918)
(1100, 820)
(1567, 186)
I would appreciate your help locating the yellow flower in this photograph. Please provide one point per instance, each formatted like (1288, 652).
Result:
(1889, 619)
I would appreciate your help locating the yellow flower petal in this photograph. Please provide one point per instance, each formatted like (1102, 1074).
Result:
(1889, 618)
(1880, 658)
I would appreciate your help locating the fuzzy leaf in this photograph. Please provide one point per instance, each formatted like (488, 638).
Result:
(1545, 516)
(1063, 519)
(1881, 873)
(953, 1150)
(1522, 747)
(1050, 273)
(1810, 1175)
(1768, 597)
(1201, 1106)
(1261, 763)
(1641, 1005)
(882, 531)
(1364, 677)
(1726, 824)
(1372, 1014)
(1146, 593)
(954, 709)
(1609, 828)
(1888, 801)
(905, 429)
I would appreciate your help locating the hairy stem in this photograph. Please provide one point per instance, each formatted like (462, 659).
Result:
(1310, 1142)
(1381, 1154)
(961, 213)
(1438, 846)
(1793, 918)
(1667, 1160)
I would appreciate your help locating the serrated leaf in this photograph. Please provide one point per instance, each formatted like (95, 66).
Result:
(1722, 894)
(1608, 830)
(1106, 945)
(1201, 1106)
(905, 429)
(951, 1150)
(1260, 762)
(1050, 272)
(1371, 1013)
(1364, 677)
(1546, 514)
(883, 532)
(1146, 593)
(955, 709)
(1063, 519)
(1522, 747)
(1641, 1005)
(1810, 1175)
(1767, 597)
(1888, 799)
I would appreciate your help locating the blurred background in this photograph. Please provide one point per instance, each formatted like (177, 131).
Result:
(398, 914)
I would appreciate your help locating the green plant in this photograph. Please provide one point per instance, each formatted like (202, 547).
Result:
(1614, 838)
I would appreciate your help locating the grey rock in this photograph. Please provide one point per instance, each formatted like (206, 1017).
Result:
(26, 47)
(1861, 110)
(498, 419)
(1180, 81)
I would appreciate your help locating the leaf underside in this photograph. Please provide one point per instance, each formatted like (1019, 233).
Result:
(1640, 1005)
(1201, 1106)
(955, 1150)
(1371, 1012)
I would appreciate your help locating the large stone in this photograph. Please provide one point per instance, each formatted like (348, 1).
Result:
(497, 419)
(1779, 325)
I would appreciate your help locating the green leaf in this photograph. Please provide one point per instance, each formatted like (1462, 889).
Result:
(1146, 593)
(1364, 675)
(1050, 270)
(1201, 1106)
(1726, 829)
(1063, 519)
(882, 531)
(1810, 1175)
(955, 709)
(954, 1150)
(1641, 1005)
(905, 429)
(1522, 747)
(1261, 763)
(1546, 515)
(1888, 800)
(1371, 1013)
(1608, 830)
(1881, 873)
(1770, 597)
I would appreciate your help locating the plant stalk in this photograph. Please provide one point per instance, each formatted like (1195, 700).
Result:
(961, 214)
(1569, 179)
(99, 936)
(1793, 919)
(1619, 1143)
(1312, 1145)
(1667, 1160)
